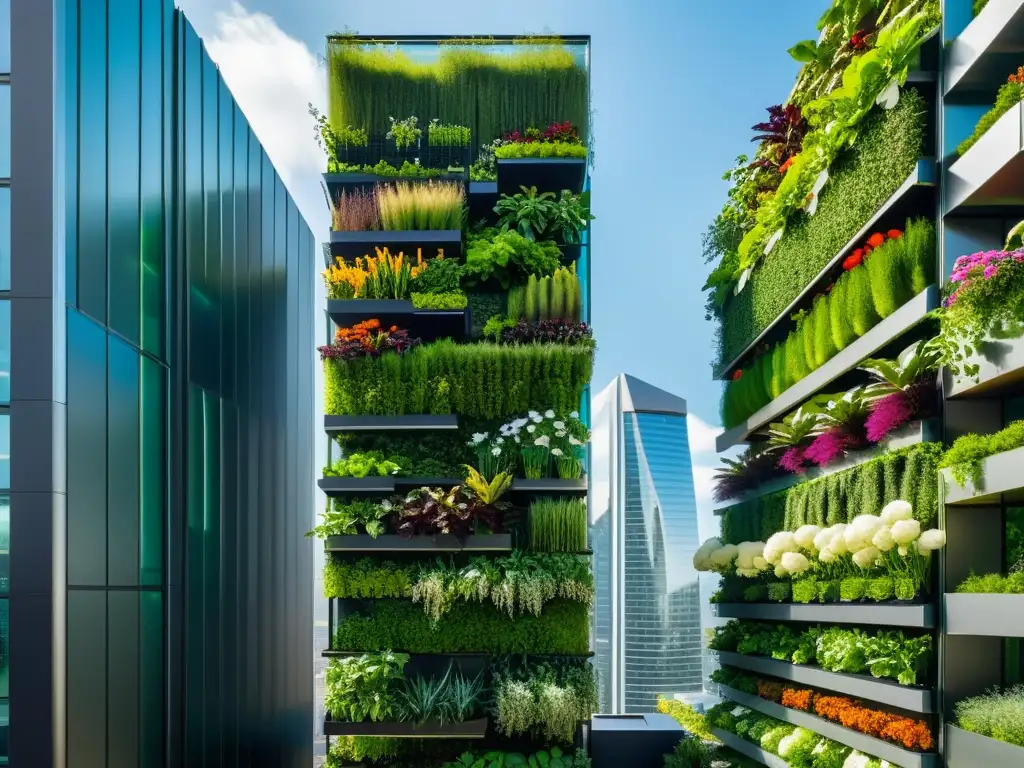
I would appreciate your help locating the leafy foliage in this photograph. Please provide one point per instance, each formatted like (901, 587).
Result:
(996, 714)
(545, 700)
(993, 584)
(1010, 95)
(541, 216)
(360, 688)
(964, 458)
(353, 517)
(550, 758)
(507, 259)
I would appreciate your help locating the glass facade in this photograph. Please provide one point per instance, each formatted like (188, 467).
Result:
(5, 370)
(647, 630)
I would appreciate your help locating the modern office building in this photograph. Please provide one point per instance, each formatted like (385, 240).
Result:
(643, 515)
(157, 386)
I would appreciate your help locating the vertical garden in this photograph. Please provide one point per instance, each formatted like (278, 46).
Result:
(458, 571)
(866, 283)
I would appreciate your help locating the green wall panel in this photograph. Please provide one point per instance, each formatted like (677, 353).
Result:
(92, 155)
(123, 470)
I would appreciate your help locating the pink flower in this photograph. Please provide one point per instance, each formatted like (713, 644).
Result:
(887, 415)
(990, 270)
(793, 460)
(826, 448)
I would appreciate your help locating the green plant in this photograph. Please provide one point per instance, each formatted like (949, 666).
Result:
(852, 589)
(993, 584)
(1010, 95)
(964, 458)
(450, 698)
(690, 753)
(549, 758)
(880, 588)
(367, 578)
(979, 6)
(996, 714)
(547, 700)
(439, 276)
(569, 217)
(369, 464)
(779, 592)
(507, 259)
(540, 149)
(558, 525)
(352, 517)
(433, 205)
(540, 216)
(360, 688)
(686, 716)
(444, 135)
(405, 132)
(804, 590)
(439, 300)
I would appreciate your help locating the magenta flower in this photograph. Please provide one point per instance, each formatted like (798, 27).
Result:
(793, 460)
(826, 448)
(887, 415)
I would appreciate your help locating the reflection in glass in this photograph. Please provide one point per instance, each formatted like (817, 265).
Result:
(5, 37)
(5, 238)
(5, 351)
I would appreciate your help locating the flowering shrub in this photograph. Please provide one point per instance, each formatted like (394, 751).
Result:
(383, 276)
(985, 297)
(568, 332)
(564, 132)
(366, 339)
(532, 443)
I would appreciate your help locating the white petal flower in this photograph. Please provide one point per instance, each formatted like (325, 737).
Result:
(838, 544)
(748, 550)
(903, 551)
(538, 419)
(574, 441)
(780, 572)
(883, 539)
(543, 441)
(724, 556)
(496, 451)
(549, 414)
(499, 440)
(865, 558)
(822, 538)
(531, 429)
(794, 562)
(895, 511)
(932, 539)
(532, 414)
(906, 531)
(560, 433)
(479, 437)
(778, 543)
(761, 564)
(559, 425)
(519, 424)
(827, 556)
(556, 451)
(574, 415)
(804, 536)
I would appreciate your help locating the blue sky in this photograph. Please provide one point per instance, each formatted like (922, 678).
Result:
(676, 86)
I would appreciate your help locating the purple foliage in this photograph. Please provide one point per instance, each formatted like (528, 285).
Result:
(889, 414)
(827, 447)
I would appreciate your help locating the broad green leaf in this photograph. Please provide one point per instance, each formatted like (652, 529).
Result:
(805, 50)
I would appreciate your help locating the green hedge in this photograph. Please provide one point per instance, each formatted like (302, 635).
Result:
(483, 380)
(564, 627)
(889, 146)
(909, 474)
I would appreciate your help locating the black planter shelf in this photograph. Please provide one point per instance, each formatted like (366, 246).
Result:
(867, 744)
(547, 174)
(413, 422)
(424, 657)
(964, 749)
(352, 245)
(915, 196)
(495, 542)
(425, 324)
(892, 328)
(471, 729)
(748, 749)
(482, 197)
(370, 486)
(878, 614)
(910, 698)
(979, 58)
(336, 182)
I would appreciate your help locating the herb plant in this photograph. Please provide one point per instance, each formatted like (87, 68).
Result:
(360, 688)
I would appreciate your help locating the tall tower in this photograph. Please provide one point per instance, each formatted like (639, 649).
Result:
(643, 518)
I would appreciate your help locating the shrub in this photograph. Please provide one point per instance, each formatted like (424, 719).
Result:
(545, 700)
(1010, 95)
(439, 300)
(479, 380)
(993, 584)
(996, 714)
(964, 458)
(889, 146)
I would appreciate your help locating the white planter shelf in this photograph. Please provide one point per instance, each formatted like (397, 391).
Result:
(867, 744)
(1001, 368)
(964, 749)
(1002, 482)
(984, 615)
(744, 747)
(989, 174)
(910, 698)
(888, 330)
(985, 52)
(920, 616)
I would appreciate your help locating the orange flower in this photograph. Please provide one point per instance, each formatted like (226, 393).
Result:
(876, 239)
(853, 260)
(797, 699)
(1017, 77)
(894, 234)
(785, 166)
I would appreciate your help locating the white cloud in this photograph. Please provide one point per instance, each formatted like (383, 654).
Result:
(273, 77)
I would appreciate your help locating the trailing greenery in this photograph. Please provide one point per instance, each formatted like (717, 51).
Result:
(993, 584)
(887, 654)
(1010, 94)
(385, 169)
(692, 720)
(558, 525)
(480, 380)
(964, 458)
(564, 627)
(886, 152)
(485, 87)
(546, 701)
(996, 714)
(908, 474)
(519, 584)
(454, 300)
(895, 272)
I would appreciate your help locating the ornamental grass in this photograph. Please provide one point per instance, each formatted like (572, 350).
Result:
(434, 205)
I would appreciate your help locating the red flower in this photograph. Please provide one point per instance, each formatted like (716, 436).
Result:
(737, 374)
(785, 166)
(859, 40)
(894, 234)
(876, 239)
(853, 260)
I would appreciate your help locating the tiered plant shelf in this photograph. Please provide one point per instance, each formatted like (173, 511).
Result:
(867, 744)
(356, 486)
(338, 182)
(988, 175)
(889, 330)
(964, 749)
(415, 422)
(896, 615)
(1002, 483)
(426, 324)
(909, 698)
(548, 174)
(439, 543)
(1001, 372)
(979, 58)
(352, 245)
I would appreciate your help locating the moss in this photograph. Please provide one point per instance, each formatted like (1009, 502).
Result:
(861, 181)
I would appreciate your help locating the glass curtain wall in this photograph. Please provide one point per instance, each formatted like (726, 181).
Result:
(5, 367)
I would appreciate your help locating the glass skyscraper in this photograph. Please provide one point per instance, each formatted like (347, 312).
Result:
(646, 633)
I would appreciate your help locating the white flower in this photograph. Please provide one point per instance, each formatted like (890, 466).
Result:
(903, 551)
(932, 539)
(860, 531)
(574, 415)
(560, 433)
(499, 440)
(906, 531)
(724, 555)
(549, 414)
(780, 572)
(748, 550)
(883, 539)
(542, 441)
(865, 558)
(895, 511)
(532, 414)
(559, 425)
(805, 535)
(556, 451)
(574, 441)
(794, 562)
(479, 437)
(922, 550)
(519, 424)
(761, 564)
(702, 557)
(827, 556)
(538, 419)
(496, 451)
(822, 538)
(838, 545)
(778, 543)
(531, 429)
